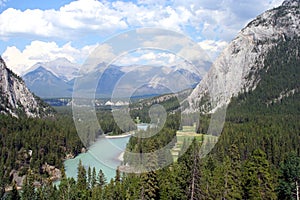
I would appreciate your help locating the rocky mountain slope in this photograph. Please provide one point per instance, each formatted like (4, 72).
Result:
(46, 84)
(236, 69)
(16, 99)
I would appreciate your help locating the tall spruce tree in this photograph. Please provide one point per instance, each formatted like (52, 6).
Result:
(101, 179)
(289, 182)
(28, 192)
(258, 182)
(232, 175)
(14, 194)
(94, 178)
(2, 184)
(81, 177)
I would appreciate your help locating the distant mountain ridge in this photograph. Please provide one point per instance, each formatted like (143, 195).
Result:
(60, 67)
(16, 99)
(48, 84)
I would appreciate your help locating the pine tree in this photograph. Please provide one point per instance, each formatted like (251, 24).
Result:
(257, 178)
(14, 194)
(170, 183)
(2, 185)
(28, 187)
(109, 191)
(118, 186)
(101, 178)
(232, 175)
(190, 171)
(67, 187)
(89, 177)
(118, 176)
(289, 182)
(149, 181)
(81, 177)
(47, 192)
(149, 185)
(94, 178)
(194, 186)
(97, 193)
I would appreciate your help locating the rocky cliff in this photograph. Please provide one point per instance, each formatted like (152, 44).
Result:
(16, 99)
(235, 70)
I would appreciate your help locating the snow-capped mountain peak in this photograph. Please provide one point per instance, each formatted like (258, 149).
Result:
(60, 67)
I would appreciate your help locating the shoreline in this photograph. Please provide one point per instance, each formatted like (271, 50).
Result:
(121, 156)
(118, 136)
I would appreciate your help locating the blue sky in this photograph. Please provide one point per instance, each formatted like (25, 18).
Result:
(39, 31)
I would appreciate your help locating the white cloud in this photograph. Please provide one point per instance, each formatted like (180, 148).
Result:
(71, 20)
(38, 51)
(213, 48)
(212, 18)
(148, 57)
(221, 20)
(2, 3)
(214, 22)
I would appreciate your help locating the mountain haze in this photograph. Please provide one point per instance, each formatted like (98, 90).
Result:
(147, 80)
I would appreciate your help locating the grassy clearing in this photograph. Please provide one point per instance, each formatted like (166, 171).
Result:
(188, 133)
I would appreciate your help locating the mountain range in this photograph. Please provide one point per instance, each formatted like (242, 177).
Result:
(237, 70)
(56, 79)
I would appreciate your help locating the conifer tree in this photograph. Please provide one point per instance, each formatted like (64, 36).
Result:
(94, 178)
(232, 175)
(257, 177)
(2, 184)
(89, 177)
(81, 177)
(149, 181)
(28, 192)
(101, 178)
(14, 194)
(289, 182)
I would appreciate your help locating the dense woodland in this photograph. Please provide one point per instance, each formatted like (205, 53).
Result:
(256, 157)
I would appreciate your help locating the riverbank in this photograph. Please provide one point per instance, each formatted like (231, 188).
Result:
(121, 156)
(119, 136)
(103, 154)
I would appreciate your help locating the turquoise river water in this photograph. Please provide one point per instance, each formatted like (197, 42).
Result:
(103, 154)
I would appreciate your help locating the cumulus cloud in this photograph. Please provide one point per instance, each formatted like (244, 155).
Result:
(148, 57)
(69, 21)
(214, 22)
(21, 60)
(92, 16)
(221, 20)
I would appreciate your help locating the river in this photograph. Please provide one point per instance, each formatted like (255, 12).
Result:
(103, 154)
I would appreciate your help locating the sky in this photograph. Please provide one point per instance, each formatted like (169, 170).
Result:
(34, 31)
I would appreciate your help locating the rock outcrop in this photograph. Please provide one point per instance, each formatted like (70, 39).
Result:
(235, 69)
(16, 99)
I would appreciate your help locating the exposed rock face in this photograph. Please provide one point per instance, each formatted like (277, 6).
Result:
(291, 3)
(54, 173)
(234, 71)
(16, 99)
